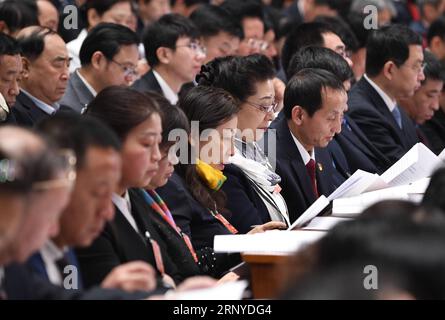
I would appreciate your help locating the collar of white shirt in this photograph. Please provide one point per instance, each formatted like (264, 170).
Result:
(169, 94)
(85, 82)
(391, 104)
(42, 105)
(303, 152)
(124, 205)
(50, 254)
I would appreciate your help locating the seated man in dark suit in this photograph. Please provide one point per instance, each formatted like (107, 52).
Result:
(45, 75)
(351, 141)
(32, 193)
(10, 73)
(173, 50)
(90, 207)
(394, 69)
(109, 56)
(434, 129)
(314, 104)
(425, 102)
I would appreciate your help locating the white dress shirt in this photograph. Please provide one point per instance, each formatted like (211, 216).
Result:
(49, 109)
(391, 104)
(303, 152)
(169, 94)
(85, 82)
(124, 205)
(50, 254)
(73, 48)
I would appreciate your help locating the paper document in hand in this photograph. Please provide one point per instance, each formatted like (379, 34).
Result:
(310, 213)
(416, 164)
(353, 206)
(273, 241)
(324, 223)
(355, 185)
(226, 291)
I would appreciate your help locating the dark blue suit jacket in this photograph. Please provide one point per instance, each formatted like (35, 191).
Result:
(26, 113)
(37, 265)
(148, 82)
(296, 185)
(22, 284)
(197, 222)
(246, 207)
(361, 153)
(372, 115)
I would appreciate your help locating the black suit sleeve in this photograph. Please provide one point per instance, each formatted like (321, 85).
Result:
(377, 130)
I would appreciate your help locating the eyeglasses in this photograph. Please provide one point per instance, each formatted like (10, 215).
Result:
(196, 47)
(128, 71)
(67, 177)
(258, 44)
(265, 109)
(418, 68)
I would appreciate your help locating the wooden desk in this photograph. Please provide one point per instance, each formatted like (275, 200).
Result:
(266, 276)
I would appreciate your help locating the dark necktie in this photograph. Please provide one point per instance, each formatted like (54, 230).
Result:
(397, 116)
(61, 264)
(3, 295)
(310, 166)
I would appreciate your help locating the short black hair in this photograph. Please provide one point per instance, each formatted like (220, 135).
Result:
(211, 20)
(321, 58)
(18, 14)
(8, 45)
(101, 6)
(356, 24)
(305, 89)
(389, 43)
(165, 32)
(33, 45)
(342, 29)
(244, 9)
(436, 29)
(434, 69)
(78, 133)
(172, 118)
(107, 38)
(306, 34)
(237, 75)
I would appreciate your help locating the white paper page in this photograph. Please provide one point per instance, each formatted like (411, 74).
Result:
(273, 241)
(352, 207)
(441, 155)
(324, 223)
(311, 212)
(416, 164)
(226, 291)
(354, 185)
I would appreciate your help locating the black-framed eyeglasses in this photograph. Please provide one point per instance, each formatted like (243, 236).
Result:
(128, 71)
(195, 46)
(265, 109)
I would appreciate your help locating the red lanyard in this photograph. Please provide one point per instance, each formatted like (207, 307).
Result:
(224, 221)
(157, 253)
(161, 208)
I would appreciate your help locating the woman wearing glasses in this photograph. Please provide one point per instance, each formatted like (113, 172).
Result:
(252, 185)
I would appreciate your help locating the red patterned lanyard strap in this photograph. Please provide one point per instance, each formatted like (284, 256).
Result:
(161, 208)
(224, 221)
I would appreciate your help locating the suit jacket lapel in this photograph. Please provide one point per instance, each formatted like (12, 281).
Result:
(83, 94)
(382, 108)
(34, 112)
(295, 159)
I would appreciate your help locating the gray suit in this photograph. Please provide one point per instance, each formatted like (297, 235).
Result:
(77, 95)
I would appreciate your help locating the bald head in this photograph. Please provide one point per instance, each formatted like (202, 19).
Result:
(19, 142)
(47, 14)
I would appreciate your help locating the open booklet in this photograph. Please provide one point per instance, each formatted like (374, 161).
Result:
(273, 241)
(355, 194)
(418, 163)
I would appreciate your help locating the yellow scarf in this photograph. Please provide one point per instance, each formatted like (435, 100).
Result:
(213, 177)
